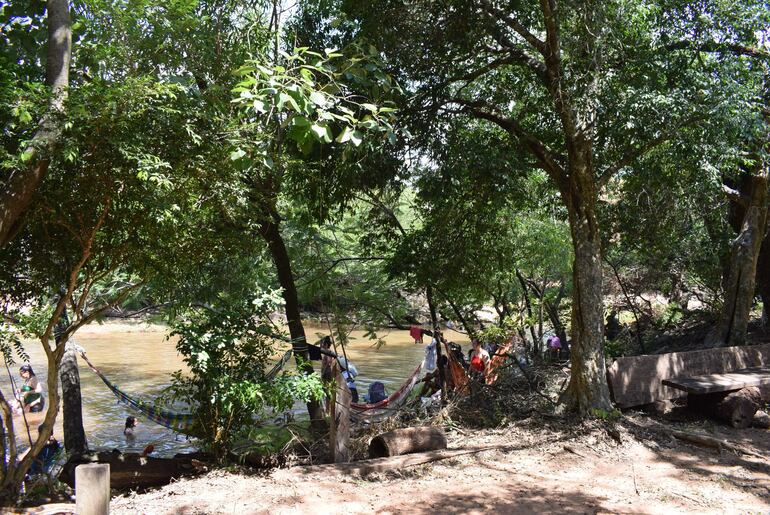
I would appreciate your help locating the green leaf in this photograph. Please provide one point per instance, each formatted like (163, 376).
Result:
(345, 135)
(237, 154)
(371, 107)
(318, 98)
(322, 132)
(357, 138)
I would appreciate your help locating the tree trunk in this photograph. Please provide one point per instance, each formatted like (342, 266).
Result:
(763, 277)
(537, 349)
(18, 191)
(460, 317)
(72, 409)
(272, 235)
(72, 406)
(552, 309)
(437, 337)
(741, 276)
(587, 389)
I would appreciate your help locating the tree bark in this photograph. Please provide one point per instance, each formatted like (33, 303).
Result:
(741, 277)
(72, 407)
(437, 337)
(272, 235)
(537, 347)
(18, 191)
(587, 390)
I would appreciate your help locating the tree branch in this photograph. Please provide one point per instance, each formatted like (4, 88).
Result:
(514, 24)
(544, 155)
(632, 155)
(735, 195)
(716, 47)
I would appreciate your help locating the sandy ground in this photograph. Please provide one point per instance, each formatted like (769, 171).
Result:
(547, 469)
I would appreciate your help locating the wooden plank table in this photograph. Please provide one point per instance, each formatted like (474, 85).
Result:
(724, 382)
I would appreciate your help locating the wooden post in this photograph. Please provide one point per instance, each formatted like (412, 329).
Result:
(340, 414)
(92, 489)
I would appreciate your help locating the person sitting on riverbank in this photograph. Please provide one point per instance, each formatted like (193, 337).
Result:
(128, 430)
(31, 395)
(432, 380)
(47, 456)
(479, 361)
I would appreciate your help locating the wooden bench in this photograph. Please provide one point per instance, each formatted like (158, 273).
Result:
(640, 380)
(731, 396)
(724, 382)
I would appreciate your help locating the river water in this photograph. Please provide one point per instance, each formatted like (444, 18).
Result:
(139, 359)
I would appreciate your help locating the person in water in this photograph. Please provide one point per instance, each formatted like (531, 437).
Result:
(479, 365)
(31, 395)
(131, 423)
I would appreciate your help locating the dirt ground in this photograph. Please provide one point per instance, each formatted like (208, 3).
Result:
(546, 469)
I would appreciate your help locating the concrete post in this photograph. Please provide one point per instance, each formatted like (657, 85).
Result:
(92, 489)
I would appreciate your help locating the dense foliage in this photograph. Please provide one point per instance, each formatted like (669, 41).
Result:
(553, 162)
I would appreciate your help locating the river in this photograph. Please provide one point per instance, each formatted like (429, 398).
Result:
(139, 359)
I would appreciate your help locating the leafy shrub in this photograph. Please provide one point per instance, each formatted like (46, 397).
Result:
(228, 351)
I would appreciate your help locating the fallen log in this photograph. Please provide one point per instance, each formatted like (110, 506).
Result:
(406, 441)
(716, 443)
(738, 408)
(132, 470)
(370, 466)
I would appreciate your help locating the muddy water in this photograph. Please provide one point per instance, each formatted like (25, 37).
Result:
(139, 359)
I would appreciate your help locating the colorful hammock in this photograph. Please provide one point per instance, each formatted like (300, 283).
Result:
(386, 407)
(179, 422)
(498, 359)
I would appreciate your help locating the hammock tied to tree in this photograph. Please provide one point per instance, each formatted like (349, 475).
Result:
(179, 422)
(360, 412)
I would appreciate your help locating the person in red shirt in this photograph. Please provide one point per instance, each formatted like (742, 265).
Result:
(479, 360)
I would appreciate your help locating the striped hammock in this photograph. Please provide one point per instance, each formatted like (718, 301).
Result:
(179, 422)
(386, 407)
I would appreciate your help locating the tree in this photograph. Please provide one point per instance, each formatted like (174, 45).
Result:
(581, 88)
(21, 183)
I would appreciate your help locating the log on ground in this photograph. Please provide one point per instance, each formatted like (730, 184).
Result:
(364, 467)
(407, 441)
(131, 470)
(736, 408)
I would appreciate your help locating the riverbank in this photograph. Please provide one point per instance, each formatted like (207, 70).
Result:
(633, 466)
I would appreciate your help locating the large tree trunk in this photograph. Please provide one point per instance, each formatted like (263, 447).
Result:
(587, 390)
(741, 275)
(272, 235)
(72, 407)
(17, 192)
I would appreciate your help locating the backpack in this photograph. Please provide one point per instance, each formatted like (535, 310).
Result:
(377, 392)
